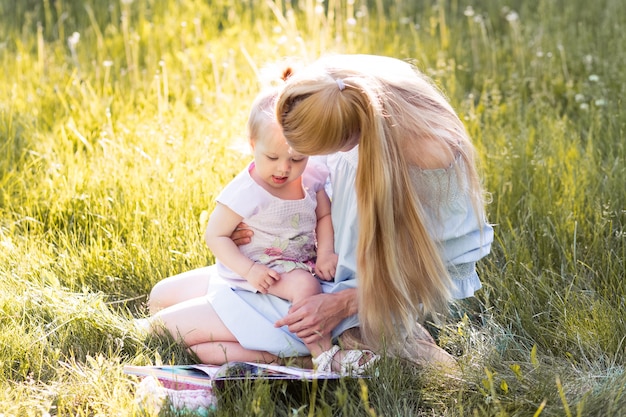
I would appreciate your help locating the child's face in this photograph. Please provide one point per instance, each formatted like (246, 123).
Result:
(276, 163)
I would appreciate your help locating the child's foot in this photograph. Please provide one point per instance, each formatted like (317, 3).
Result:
(346, 362)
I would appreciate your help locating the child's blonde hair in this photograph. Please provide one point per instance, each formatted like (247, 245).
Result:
(262, 111)
(382, 104)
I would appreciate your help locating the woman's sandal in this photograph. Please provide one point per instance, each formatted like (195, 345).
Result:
(352, 362)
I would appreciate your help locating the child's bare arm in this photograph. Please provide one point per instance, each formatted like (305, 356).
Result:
(222, 222)
(326, 263)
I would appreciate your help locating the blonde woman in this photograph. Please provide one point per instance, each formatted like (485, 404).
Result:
(405, 188)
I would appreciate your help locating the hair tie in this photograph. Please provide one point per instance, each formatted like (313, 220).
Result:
(340, 84)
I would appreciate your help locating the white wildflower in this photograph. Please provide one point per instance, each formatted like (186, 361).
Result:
(73, 40)
(512, 17)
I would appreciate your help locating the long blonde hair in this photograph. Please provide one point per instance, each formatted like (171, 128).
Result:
(380, 103)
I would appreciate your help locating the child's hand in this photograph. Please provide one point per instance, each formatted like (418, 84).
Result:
(261, 277)
(326, 265)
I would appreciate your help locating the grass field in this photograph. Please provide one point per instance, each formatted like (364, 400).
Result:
(121, 120)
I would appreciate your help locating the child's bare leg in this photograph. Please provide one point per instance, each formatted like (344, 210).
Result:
(294, 286)
(203, 332)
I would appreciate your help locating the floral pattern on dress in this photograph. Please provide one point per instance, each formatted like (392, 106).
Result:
(275, 254)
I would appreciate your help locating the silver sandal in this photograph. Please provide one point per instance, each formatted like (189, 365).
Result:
(351, 363)
(356, 362)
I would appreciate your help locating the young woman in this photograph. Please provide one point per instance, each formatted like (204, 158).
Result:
(405, 183)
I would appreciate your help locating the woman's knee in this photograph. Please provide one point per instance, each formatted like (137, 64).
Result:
(178, 288)
(159, 297)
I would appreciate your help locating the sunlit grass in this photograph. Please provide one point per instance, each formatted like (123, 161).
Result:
(121, 121)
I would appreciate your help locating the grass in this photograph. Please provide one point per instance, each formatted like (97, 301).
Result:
(120, 121)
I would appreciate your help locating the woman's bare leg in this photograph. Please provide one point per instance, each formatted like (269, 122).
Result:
(178, 288)
(218, 353)
(196, 323)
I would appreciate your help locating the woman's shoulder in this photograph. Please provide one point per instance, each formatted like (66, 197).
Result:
(430, 154)
(438, 170)
(445, 185)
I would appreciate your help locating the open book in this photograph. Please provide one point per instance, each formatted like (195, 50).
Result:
(186, 377)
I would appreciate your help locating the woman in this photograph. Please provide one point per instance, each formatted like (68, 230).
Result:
(403, 160)
(400, 158)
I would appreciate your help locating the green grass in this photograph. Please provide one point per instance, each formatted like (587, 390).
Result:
(114, 143)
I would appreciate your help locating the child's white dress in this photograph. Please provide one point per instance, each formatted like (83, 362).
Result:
(284, 230)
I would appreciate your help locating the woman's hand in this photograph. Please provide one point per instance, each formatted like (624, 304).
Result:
(242, 234)
(318, 315)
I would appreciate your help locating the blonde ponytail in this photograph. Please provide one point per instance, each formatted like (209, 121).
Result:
(400, 271)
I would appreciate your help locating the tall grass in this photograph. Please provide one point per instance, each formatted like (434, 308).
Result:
(120, 121)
